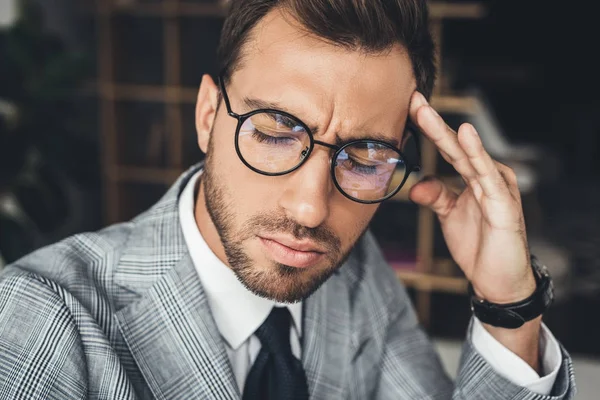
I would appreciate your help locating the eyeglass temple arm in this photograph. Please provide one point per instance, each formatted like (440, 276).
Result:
(225, 96)
(415, 132)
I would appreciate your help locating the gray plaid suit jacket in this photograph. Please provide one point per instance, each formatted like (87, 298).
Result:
(121, 314)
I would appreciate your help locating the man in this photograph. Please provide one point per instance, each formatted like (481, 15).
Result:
(254, 276)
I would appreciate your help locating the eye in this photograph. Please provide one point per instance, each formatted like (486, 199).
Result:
(261, 137)
(362, 168)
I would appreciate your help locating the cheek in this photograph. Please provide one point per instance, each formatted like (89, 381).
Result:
(250, 192)
(350, 219)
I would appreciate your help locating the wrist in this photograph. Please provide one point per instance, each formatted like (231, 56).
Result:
(513, 293)
(515, 308)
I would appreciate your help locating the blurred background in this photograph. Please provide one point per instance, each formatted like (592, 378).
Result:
(97, 120)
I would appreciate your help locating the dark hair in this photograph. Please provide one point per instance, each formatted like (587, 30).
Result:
(367, 25)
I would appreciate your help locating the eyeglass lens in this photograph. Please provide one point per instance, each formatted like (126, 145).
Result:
(274, 143)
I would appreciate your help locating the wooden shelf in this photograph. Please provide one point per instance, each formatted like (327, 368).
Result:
(432, 282)
(452, 103)
(454, 181)
(166, 9)
(437, 9)
(153, 175)
(402, 195)
(151, 93)
(445, 10)
(455, 104)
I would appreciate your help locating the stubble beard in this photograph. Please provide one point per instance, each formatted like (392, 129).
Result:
(281, 283)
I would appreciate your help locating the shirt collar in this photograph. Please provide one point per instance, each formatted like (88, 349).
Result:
(237, 311)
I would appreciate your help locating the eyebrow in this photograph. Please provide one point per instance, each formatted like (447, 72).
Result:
(370, 136)
(255, 104)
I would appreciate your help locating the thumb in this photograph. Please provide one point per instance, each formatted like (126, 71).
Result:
(435, 194)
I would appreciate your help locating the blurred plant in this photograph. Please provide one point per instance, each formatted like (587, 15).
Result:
(40, 143)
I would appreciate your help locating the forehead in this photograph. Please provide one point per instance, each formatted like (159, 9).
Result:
(284, 63)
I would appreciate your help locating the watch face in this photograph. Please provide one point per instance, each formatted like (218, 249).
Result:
(549, 294)
(506, 319)
(544, 274)
(540, 268)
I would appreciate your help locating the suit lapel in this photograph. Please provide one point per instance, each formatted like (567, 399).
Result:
(163, 313)
(164, 316)
(326, 339)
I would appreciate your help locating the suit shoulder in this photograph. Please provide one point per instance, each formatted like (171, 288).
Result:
(40, 343)
(26, 290)
(78, 258)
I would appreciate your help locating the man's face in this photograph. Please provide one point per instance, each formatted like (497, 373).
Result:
(284, 235)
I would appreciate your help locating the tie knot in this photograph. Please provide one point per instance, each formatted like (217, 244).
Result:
(274, 333)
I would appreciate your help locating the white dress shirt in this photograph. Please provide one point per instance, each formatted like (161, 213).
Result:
(238, 313)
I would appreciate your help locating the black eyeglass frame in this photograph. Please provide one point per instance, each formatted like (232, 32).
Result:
(241, 118)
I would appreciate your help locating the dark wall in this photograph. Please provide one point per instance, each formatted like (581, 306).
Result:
(537, 62)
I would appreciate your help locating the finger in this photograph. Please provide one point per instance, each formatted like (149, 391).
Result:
(435, 194)
(418, 101)
(510, 177)
(488, 176)
(444, 138)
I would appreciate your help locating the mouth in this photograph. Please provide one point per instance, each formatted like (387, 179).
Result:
(299, 254)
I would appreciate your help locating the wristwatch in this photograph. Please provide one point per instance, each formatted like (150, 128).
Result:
(514, 315)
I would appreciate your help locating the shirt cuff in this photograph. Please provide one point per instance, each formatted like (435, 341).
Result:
(512, 367)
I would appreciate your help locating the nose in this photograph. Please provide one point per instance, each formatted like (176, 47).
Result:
(308, 190)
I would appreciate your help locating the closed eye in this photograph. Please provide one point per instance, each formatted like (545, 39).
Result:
(264, 138)
(362, 168)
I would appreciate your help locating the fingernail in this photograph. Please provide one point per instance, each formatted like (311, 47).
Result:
(420, 99)
(473, 131)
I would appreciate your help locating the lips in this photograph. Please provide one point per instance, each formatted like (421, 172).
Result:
(299, 254)
(298, 245)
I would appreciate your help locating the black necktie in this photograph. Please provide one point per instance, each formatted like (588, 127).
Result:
(276, 374)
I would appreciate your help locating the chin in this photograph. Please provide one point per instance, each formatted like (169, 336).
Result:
(283, 283)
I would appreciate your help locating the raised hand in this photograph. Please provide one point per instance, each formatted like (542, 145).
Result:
(483, 226)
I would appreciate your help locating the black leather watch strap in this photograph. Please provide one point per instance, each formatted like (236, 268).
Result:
(514, 315)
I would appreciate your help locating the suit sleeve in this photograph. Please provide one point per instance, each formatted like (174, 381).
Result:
(477, 379)
(41, 356)
(411, 365)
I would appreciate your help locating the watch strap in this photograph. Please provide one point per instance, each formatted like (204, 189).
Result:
(514, 315)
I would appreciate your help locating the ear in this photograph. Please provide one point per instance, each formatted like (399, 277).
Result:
(206, 110)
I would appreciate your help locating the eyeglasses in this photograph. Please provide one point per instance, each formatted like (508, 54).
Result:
(273, 142)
